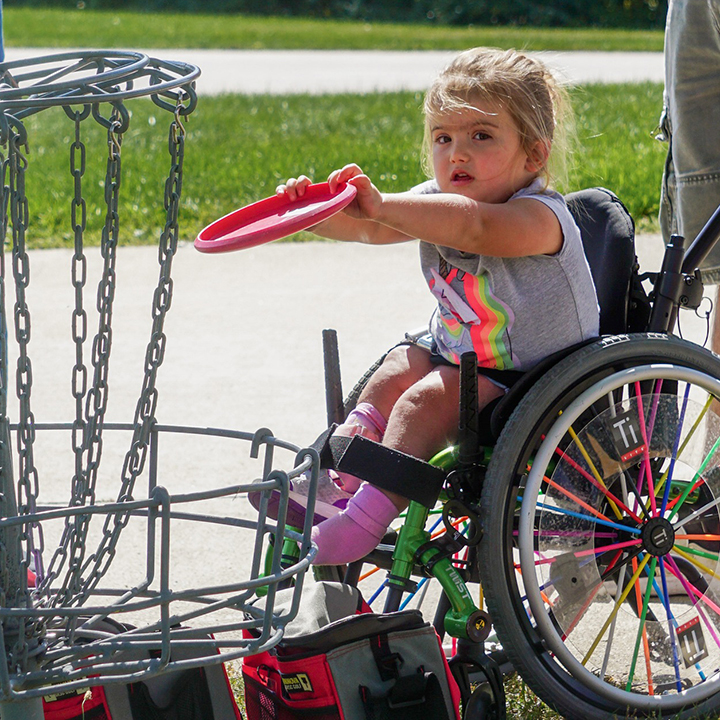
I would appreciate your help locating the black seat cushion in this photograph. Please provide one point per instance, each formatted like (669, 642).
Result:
(608, 235)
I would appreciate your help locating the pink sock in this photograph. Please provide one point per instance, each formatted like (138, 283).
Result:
(355, 531)
(364, 420)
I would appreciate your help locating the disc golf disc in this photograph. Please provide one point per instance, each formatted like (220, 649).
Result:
(273, 218)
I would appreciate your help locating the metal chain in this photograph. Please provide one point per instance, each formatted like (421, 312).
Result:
(27, 484)
(4, 204)
(90, 403)
(21, 543)
(78, 211)
(6, 470)
(83, 571)
(144, 419)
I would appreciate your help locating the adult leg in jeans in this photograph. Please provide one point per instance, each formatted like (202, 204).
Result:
(691, 181)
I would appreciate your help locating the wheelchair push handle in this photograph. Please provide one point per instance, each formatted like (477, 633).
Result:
(469, 426)
(679, 282)
(667, 287)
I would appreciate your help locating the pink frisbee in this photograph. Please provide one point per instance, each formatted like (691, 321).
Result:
(273, 218)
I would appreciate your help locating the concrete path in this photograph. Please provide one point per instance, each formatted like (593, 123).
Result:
(244, 330)
(243, 352)
(329, 71)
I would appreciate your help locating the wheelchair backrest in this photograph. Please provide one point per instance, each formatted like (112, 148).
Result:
(608, 235)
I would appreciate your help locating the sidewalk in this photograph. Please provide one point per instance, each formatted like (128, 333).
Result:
(285, 72)
(244, 351)
(244, 332)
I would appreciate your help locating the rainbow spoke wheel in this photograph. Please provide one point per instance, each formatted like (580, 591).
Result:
(607, 517)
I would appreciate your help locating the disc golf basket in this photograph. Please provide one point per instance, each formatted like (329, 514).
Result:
(66, 618)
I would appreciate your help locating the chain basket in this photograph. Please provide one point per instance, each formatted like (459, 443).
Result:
(58, 593)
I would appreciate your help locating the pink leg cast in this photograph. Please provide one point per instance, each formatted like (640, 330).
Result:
(357, 530)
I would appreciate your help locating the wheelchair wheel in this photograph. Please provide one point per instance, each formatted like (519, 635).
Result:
(600, 558)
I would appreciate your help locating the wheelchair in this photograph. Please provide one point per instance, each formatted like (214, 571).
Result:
(584, 503)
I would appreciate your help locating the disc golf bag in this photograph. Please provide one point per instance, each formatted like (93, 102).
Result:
(338, 661)
(200, 693)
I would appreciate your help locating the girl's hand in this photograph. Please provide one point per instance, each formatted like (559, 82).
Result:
(294, 188)
(367, 202)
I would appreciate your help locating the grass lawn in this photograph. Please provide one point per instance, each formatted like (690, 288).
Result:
(240, 147)
(45, 27)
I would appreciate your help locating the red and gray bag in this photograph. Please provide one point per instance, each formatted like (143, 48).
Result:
(338, 662)
(201, 693)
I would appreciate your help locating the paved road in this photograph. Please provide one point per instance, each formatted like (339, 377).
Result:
(329, 71)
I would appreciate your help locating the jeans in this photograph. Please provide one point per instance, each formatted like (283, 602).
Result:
(691, 123)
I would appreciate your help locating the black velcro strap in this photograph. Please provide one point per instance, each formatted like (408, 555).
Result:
(416, 695)
(388, 469)
(323, 448)
(388, 663)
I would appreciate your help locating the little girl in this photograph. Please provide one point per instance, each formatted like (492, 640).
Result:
(500, 252)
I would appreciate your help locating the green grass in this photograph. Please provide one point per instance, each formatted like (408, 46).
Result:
(44, 27)
(240, 147)
(523, 704)
(616, 128)
(237, 685)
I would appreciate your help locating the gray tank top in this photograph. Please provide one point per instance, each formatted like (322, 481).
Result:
(512, 312)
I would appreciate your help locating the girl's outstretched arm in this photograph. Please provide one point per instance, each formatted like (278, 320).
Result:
(514, 228)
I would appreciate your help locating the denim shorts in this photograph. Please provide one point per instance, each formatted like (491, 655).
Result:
(690, 121)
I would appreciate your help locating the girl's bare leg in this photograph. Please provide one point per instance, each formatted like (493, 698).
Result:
(422, 421)
(402, 368)
(425, 418)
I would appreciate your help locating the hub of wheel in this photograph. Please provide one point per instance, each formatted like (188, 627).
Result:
(658, 537)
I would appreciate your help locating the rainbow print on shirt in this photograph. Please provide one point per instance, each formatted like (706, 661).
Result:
(471, 317)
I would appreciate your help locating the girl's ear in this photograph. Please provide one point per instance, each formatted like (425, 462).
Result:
(537, 156)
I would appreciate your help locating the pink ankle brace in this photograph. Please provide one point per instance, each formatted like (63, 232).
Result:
(364, 420)
(355, 531)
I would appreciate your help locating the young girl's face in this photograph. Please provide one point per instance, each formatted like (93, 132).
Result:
(477, 152)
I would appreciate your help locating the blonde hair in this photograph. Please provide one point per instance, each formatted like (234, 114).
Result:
(522, 85)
